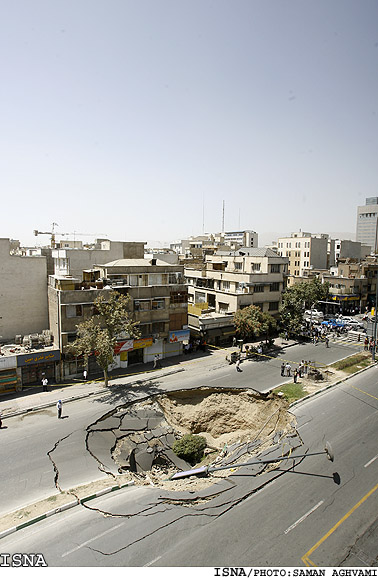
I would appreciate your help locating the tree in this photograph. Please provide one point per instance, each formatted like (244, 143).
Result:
(297, 299)
(251, 322)
(99, 334)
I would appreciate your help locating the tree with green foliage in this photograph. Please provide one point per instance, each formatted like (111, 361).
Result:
(298, 298)
(250, 322)
(99, 334)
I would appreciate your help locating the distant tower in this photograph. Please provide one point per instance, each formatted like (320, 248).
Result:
(367, 221)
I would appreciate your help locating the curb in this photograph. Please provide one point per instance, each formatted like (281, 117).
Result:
(332, 385)
(78, 397)
(63, 508)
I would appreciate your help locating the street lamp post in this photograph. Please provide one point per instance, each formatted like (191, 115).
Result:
(205, 470)
(375, 317)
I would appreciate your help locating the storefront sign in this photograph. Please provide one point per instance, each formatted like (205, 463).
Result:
(143, 342)
(179, 335)
(37, 358)
(123, 346)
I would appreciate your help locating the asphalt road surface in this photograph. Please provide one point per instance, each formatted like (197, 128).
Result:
(310, 514)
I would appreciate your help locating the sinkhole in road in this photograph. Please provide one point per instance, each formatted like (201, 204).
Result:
(237, 425)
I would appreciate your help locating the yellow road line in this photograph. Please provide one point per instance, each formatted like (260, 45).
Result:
(364, 392)
(306, 558)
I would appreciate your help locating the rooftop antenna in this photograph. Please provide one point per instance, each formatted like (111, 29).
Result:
(203, 214)
(223, 219)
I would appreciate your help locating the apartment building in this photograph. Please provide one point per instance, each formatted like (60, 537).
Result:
(304, 251)
(229, 281)
(159, 302)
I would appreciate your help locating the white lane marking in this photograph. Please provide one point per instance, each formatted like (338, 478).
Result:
(303, 517)
(92, 539)
(152, 562)
(371, 461)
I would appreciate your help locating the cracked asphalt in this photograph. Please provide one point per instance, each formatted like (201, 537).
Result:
(149, 526)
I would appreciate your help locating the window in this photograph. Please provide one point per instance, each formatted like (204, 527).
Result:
(74, 310)
(175, 278)
(259, 288)
(273, 305)
(256, 267)
(155, 279)
(158, 304)
(179, 297)
(157, 327)
(226, 285)
(223, 306)
(275, 287)
(238, 265)
(140, 305)
(275, 268)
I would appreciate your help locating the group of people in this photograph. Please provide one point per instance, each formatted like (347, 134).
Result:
(194, 346)
(369, 344)
(300, 372)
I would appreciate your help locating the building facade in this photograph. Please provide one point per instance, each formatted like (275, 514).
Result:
(367, 219)
(23, 294)
(304, 251)
(158, 301)
(229, 281)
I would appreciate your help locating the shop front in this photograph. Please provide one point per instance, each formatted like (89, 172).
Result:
(36, 365)
(129, 352)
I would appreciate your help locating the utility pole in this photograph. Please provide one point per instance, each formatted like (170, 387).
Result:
(375, 316)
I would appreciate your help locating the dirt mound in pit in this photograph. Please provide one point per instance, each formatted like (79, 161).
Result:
(225, 416)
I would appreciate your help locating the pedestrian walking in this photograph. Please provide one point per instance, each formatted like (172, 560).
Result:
(85, 374)
(59, 407)
(44, 384)
(283, 369)
(305, 367)
(288, 369)
(295, 375)
(238, 366)
(327, 341)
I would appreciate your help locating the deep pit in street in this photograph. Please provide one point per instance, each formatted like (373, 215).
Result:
(238, 425)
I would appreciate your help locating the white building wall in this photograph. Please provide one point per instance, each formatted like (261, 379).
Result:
(23, 294)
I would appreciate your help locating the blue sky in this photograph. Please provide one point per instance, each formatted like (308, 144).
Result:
(138, 118)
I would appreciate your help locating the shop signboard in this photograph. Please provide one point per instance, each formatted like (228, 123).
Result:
(143, 342)
(36, 358)
(123, 346)
(179, 335)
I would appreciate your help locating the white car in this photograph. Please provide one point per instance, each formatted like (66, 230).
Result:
(314, 315)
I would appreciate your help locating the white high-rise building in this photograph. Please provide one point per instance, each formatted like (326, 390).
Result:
(367, 220)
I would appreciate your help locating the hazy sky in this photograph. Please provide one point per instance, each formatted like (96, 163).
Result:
(136, 119)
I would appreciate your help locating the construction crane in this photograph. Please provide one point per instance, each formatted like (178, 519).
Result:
(54, 233)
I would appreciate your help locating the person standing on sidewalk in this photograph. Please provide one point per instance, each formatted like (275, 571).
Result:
(238, 366)
(59, 407)
(85, 374)
(44, 384)
(283, 369)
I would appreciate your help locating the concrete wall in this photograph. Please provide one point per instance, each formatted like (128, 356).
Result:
(23, 294)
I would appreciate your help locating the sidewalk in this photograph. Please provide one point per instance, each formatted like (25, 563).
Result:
(33, 398)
